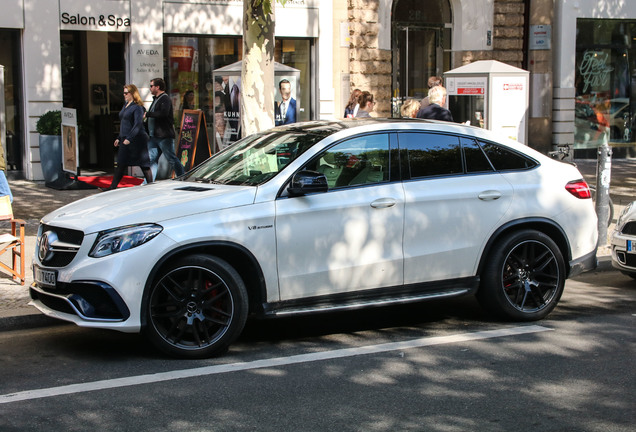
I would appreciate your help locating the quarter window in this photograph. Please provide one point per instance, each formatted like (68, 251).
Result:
(431, 154)
(506, 160)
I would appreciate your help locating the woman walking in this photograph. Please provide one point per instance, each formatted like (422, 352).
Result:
(133, 139)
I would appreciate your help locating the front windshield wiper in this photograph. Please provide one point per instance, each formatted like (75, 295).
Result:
(206, 180)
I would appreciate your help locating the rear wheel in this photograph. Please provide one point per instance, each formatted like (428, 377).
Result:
(524, 277)
(196, 308)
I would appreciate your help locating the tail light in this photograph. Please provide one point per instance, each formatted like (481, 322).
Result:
(579, 189)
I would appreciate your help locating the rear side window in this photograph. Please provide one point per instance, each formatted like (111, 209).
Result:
(431, 154)
(504, 159)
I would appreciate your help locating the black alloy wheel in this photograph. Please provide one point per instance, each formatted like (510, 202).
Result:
(524, 277)
(196, 308)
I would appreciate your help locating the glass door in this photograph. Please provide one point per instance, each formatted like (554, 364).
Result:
(418, 55)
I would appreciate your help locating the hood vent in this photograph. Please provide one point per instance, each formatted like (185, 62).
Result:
(195, 189)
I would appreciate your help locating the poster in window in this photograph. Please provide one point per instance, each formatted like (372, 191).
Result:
(69, 140)
(227, 110)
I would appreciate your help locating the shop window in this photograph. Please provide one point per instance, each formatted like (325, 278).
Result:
(191, 61)
(605, 101)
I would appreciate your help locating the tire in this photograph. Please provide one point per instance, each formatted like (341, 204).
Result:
(523, 278)
(196, 308)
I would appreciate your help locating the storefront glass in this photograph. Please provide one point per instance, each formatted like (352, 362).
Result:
(191, 61)
(10, 59)
(605, 104)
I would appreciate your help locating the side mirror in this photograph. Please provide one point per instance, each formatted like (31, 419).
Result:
(305, 182)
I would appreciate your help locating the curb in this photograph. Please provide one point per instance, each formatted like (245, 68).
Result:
(30, 318)
(27, 321)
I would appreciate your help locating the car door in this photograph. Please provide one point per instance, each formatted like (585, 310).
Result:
(349, 238)
(454, 199)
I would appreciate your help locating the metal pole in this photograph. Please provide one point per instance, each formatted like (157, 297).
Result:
(603, 174)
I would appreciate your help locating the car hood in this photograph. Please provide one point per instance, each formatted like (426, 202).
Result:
(150, 203)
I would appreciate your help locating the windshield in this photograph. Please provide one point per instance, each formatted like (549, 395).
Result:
(256, 159)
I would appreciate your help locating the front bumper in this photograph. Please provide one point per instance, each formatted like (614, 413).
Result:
(91, 301)
(623, 256)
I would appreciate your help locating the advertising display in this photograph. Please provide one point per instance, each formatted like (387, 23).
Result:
(193, 146)
(227, 110)
(227, 90)
(70, 153)
(491, 95)
(508, 93)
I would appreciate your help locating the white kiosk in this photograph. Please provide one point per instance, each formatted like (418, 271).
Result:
(491, 95)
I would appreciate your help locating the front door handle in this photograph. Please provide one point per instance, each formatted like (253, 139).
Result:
(383, 203)
(490, 195)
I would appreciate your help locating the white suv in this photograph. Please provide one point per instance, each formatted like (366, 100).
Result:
(315, 217)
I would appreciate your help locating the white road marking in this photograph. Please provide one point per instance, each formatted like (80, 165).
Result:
(266, 363)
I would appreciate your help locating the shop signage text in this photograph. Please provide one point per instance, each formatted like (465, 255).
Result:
(104, 21)
(594, 70)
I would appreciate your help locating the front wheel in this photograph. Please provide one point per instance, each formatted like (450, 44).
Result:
(524, 277)
(196, 308)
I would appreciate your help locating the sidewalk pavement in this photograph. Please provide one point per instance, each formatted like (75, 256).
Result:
(33, 200)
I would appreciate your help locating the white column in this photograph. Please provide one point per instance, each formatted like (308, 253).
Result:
(42, 73)
(325, 61)
(145, 49)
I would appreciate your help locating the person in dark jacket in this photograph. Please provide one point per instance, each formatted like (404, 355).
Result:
(133, 139)
(435, 111)
(161, 129)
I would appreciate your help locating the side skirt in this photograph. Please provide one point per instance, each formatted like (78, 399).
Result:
(372, 298)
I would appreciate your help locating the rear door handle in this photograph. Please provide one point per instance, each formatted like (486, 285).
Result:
(383, 203)
(490, 195)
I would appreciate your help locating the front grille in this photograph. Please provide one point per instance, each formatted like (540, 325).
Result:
(65, 235)
(629, 228)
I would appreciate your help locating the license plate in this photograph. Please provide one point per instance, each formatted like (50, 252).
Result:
(45, 277)
(630, 246)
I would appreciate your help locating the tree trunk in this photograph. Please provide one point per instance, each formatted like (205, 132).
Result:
(257, 74)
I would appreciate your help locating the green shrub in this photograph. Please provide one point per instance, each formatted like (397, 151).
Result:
(50, 123)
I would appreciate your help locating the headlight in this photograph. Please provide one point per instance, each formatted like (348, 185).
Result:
(621, 219)
(121, 239)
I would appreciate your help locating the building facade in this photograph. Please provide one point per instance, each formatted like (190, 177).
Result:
(80, 53)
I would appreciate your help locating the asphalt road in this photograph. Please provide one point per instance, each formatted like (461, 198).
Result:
(438, 366)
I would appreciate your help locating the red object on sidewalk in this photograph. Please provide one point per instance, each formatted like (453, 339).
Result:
(105, 181)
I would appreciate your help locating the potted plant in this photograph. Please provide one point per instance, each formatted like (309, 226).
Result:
(49, 126)
(50, 123)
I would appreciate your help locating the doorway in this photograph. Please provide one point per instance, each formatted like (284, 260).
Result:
(93, 75)
(421, 47)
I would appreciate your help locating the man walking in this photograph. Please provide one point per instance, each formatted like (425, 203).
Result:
(160, 117)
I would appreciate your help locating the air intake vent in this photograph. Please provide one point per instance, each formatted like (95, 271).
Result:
(194, 189)
(629, 228)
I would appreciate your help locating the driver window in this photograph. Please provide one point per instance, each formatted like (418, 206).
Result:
(358, 161)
